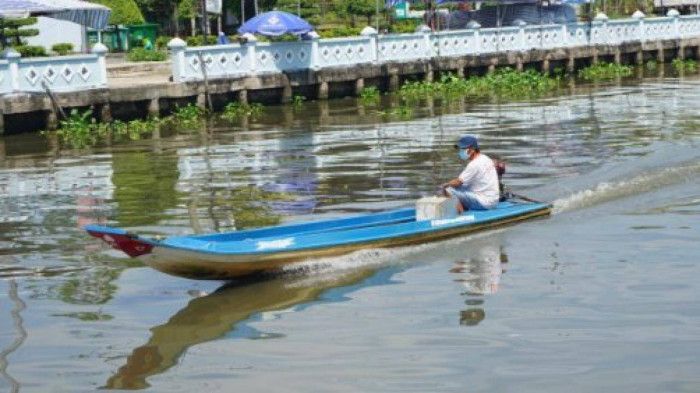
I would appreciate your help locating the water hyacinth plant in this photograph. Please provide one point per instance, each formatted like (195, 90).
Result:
(681, 65)
(603, 71)
(503, 83)
(369, 95)
(236, 110)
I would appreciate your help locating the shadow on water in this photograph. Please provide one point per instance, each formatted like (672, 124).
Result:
(213, 316)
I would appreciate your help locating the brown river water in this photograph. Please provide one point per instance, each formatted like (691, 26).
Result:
(601, 296)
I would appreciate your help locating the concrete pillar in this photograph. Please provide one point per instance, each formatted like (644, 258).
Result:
(51, 120)
(639, 58)
(697, 52)
(106, 113)
(2, 123)
(681, 50)
(359, 86)
(659, 52)
(154, 107)
(460, 72)
(286, 92)
(243, 96)
(492, 68)
(322, 91)
(519, 64)
(594, 60)
(202, 101)
(545, 65)
(429, 73)
(394, 82)
(617, 56)
(571, 64)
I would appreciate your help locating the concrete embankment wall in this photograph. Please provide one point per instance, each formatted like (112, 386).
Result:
(141, 96)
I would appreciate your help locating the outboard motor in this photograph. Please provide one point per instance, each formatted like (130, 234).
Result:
(501, 170)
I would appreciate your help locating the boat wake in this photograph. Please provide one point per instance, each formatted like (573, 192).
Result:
(322, 268)
(610, 191)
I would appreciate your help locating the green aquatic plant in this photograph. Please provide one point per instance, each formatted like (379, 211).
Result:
(503, 83)
(187, 116)
(651, 65)
(298, 100)
(369, 95)
(681, 65)
(236, 110)
(602, 71)
(80, 130)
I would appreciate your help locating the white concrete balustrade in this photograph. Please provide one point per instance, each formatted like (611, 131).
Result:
(60, 74)
(257, 58)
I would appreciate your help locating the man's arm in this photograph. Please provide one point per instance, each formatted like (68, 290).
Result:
(456, 182)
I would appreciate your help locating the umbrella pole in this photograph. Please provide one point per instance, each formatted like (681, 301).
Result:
(376, 3)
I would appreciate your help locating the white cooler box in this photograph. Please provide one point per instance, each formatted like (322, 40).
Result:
(436, 208)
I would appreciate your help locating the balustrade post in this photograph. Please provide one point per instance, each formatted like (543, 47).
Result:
(521, 34)
(474, 25)
(177, 58)
(564, 35)
(673, 13)
(639, 17)
(250, 54)
(101, 51)
(13, 58)
(314, 63)
(602, 19)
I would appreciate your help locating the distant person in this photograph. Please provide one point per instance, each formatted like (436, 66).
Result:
(477, 187)
(222, 39)
(460, 17)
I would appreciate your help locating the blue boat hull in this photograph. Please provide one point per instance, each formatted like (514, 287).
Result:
(234, 254)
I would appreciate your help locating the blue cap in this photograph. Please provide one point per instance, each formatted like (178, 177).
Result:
(467, 141)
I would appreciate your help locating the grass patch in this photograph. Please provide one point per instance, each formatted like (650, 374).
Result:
(602, 71)
(141, 54)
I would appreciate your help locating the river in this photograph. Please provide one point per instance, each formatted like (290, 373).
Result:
(601, 296)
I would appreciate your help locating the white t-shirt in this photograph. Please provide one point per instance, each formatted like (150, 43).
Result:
(480, 177)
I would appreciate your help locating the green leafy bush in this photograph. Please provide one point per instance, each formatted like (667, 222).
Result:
(369, 95)
(62, 48)
(142, 54)
(680, 65)
(340, 31)
(31, 50)
(162, 42)
(198, 40)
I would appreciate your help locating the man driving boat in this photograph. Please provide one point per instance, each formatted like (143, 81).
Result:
(477, 187)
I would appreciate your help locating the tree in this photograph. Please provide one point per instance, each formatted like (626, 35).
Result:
(366, 8)
(124, 12)
(308, 9)
(12, 30)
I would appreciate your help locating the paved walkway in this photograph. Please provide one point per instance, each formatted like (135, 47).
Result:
(121, 73)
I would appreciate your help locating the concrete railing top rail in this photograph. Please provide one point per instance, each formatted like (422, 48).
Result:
(252, 58)
(58, 73)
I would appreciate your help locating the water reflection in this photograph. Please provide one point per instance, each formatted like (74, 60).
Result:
(480, 274)
(210, 317)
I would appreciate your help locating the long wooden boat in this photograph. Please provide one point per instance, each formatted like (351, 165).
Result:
(233, 254)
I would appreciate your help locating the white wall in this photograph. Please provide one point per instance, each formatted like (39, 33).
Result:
(54, 31)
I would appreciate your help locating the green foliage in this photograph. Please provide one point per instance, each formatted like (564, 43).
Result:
(31, 50)
(236, 110)
(366, 8)
(124, 12)
(80, 130)
(339, 32)
(309, 9)
(12, 30)
(369, 95)
(162, 42)
(189, 115)
(404, 26)
(651, 65)
(503, 83)
(603, 71)
(142, 54)
(62, 48)
(198, 40)
(298, 100)
(680, 65)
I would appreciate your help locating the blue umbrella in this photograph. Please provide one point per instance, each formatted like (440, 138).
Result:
(275, 23)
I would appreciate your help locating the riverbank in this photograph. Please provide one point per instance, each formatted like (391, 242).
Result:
(143, 91)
